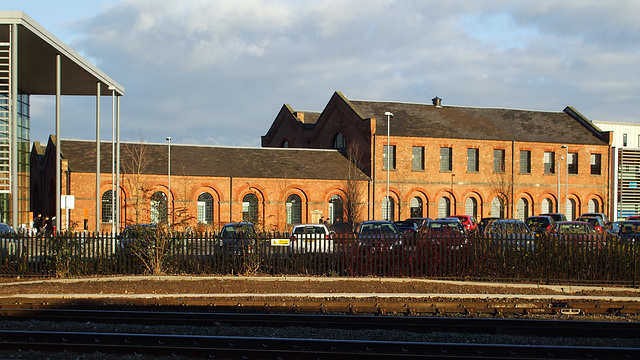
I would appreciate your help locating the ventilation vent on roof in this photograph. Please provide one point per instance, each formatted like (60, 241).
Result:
(437, 102)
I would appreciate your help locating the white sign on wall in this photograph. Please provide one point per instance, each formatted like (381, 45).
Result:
(67, 201)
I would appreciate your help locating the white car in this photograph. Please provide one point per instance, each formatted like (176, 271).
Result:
(313, 238)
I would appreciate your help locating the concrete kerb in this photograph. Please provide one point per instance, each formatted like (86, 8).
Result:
(561, 289)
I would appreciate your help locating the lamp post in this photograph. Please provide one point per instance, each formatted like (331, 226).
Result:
(566, 184)
(389, 115)
(169, 178)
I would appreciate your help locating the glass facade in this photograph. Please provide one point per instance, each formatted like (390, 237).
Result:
(23, 155)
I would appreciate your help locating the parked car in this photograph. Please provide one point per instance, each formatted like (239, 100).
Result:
(577, 233)
(238, 238)
(447, 232)
(379, 235)
(540, 225)
(341, 229)
(603, 216)
(12, 247)
(630, 231)
(597, 223)
(556, 216)
(469, 222)
(407, 228)
(510, 234)
(310, 238)
(634, 217)
(135, 238)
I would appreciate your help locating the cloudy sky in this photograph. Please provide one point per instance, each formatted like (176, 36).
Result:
(217, 72)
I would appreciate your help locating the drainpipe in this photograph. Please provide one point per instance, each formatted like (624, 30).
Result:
(513, 149)
(230, 199)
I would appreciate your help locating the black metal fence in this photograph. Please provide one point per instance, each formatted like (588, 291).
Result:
(574, 260)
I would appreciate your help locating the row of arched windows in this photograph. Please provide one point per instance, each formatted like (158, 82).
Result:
(159, 208)
(250, 203)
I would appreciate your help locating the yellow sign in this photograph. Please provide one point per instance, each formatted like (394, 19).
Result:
(279, 242)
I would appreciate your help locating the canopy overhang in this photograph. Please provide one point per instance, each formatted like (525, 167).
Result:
(37, 51)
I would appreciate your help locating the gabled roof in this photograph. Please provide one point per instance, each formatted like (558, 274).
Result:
(214, 161)
(427, 120)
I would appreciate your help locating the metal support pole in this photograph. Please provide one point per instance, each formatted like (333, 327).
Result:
(98, 197)
(58, 150)
(15, 197)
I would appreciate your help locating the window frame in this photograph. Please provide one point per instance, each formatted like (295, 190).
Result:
(473, 160)
(385, 153)
(525, 167)
(446, 159)
(417, 164)
(499, 158)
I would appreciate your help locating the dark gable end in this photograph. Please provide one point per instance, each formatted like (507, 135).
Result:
(422, 120)
(213, 161)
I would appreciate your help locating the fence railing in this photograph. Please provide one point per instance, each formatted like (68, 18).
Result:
(576, 260)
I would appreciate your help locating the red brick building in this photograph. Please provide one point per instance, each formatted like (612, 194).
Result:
(446, 160)
(209, 185)
(442, 160)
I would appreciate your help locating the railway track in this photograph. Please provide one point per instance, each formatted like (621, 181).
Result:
(469, 305)
(532, 336)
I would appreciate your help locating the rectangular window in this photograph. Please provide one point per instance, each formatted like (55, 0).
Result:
(573, 163)
(389, 157)
(549, 162)
(624, 139)
(473, 164)
(446, 163)
(596, 164)
(498, 161)
(525, 161)
(418, 158)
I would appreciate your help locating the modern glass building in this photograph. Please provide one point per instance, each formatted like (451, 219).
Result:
(32, 61)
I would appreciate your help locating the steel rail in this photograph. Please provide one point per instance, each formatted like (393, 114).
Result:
(417, 324)
(255, 303)
(289, 348)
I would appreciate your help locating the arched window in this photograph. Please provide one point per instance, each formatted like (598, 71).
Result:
(471, 207)
(294, 209)
(388, 209)
(107, 206)
(250, 208)
(444, 207)
(497, 208)
(571, 209)
(339, 143)
(547, 206)
(416, 207)
(158, 207)
(205, 208)
(523, 209)
(285, 144)
(336, 210)
(593, 206)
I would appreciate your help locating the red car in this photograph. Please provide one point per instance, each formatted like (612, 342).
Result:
(469, 222)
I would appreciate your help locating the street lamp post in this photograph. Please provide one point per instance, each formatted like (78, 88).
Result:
(169, 179)
(566, 184)
(389, 115)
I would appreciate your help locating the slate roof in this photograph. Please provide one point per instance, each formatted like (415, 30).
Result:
(215, 161)
(427, 120)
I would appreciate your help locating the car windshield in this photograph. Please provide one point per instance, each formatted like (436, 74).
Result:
(509, 227)
(237, 231)
(592, 221)
(377, 229)
(309, 230)
(445, 227)
(537, 222)
(574, 228)
(633, 228)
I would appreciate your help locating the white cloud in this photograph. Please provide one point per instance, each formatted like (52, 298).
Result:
(218, 72)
